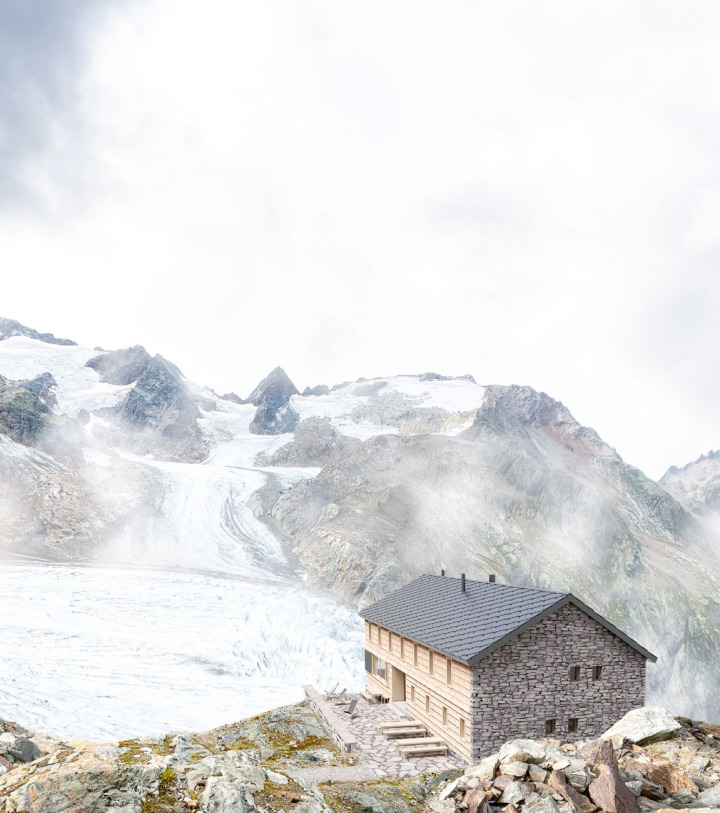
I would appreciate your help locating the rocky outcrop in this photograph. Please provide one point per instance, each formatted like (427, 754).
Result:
(23, 415)
(42, 386)
(121, 366)
(316, 443)
(320, 389)
(9, 328)
(696, 485)
(162, 413)
(398, 410)
(609, 775)
(275, 415)
(254, 766)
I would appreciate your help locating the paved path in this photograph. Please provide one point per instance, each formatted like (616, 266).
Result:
(379, 756)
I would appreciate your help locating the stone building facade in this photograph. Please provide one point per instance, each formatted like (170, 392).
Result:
(531, 683)
(499, 663)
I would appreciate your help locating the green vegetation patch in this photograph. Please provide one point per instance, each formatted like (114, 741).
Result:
(388, 795)
(165, 801)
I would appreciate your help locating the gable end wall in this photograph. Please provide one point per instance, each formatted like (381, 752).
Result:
(526, 682)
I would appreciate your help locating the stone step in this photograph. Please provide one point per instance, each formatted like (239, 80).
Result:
(423, 750)
(399, 724)
(419, 741)
(397, 733)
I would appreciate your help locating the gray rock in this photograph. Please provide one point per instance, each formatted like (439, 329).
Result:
(707, 798)
(160, 407)
(545, 805)
(513, 794)
(23, 415)
(644, 725)
(121, 366)
(24, 750)
(274, 415)
(320, 389)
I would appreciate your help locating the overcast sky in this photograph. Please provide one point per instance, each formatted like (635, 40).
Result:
(528, 192)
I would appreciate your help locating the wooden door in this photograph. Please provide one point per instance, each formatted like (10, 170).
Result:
(398, 684)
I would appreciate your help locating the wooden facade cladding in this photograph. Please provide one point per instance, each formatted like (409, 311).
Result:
(449, 701)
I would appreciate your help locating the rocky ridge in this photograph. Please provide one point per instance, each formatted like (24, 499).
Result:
(9, 327)
(696, 485)
(649, 761)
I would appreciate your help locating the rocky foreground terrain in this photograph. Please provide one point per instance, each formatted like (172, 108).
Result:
(648, 761)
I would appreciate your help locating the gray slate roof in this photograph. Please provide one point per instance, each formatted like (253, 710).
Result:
(433, 611)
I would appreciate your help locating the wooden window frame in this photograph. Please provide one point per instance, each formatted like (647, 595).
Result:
(427, 704)
(412, 694)
(574, 674)
(415, 654)
(572, 725)
(462, 728)
(597, 672)
(550, 726)
(431, 662)
(449, 672)
(445, 716)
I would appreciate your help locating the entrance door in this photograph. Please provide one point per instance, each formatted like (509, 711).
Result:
(398, 684)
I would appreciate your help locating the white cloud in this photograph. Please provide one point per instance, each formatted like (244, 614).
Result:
(356, 189)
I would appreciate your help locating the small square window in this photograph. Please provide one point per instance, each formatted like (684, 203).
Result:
(549, 726)
(572, 725)
(597, 673)
(574, 673)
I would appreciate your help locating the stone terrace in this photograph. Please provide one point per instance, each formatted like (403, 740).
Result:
(379, 756)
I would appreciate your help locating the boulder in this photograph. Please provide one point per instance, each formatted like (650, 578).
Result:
(477, 801)
(708, 798)
(530, 751)
(485, 769)
(513, 793)
(663, 773)
(607, 790)
(517, 769)
(545, 805)
(645, 725)
(559, 782)
(710, 730)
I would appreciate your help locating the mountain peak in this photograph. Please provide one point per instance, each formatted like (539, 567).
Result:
(9, 328)
(275, 387)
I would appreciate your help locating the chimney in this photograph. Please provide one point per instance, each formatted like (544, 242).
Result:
(442, 572)
(492, 578)
(462, 582)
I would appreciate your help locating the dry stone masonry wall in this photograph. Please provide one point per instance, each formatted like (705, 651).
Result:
(527, 682)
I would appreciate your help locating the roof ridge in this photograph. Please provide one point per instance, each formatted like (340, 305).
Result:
(496, 584)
